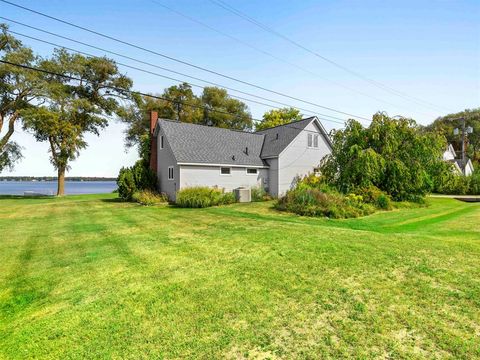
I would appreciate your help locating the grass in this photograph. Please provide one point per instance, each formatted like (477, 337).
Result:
(90, 277)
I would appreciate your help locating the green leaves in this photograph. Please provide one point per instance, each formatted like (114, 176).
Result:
(19, 90)
(391, 154)
(278, 117)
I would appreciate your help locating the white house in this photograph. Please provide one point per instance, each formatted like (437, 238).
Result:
(186, 155)
(460, 169)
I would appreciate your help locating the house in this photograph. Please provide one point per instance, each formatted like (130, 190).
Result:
(185, 155)
(458, 167)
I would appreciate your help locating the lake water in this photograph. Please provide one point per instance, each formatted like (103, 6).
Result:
(50, 187)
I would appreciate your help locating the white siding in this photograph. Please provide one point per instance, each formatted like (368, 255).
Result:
(273, 177)
(298, 159)
(204, 175)
(165, 159)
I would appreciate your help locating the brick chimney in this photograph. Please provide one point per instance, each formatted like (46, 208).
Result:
(153, 141)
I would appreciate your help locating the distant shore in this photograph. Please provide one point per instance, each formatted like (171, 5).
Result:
(54, 178)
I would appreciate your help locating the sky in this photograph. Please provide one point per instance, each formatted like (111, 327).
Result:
(429, 50)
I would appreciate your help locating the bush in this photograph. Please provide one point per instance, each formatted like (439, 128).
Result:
(384, 202)
(373, 195)
(454, 184)
(149, 198)
(126, 184)
(227, 198)
(202, 196)
(313, 202)
(259, 194)
(136, 178)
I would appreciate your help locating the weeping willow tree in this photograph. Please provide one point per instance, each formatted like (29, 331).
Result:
(394, 155)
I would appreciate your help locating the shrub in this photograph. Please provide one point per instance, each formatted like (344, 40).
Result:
(227, 198)
(202, 196)
(136, 178)
(383, 202)
(259, 194)
(314, 181)
(126, 184)
(313, 202)
(373, 195)
(149, 198)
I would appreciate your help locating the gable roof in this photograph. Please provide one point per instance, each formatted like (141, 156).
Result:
(193, 143)
(201, 144)
(279, 137)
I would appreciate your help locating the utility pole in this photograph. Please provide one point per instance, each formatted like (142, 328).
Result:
(465, 132)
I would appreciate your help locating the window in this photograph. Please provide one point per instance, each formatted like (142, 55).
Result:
(170, 173)
(224, 171)
(252, 171)
(161, 142)
(312, 141)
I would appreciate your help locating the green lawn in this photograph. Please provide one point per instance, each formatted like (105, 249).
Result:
(90, 277)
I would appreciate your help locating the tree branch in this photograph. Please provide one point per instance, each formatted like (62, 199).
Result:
(11, 129)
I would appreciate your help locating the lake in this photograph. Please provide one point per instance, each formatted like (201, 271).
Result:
(50, 187)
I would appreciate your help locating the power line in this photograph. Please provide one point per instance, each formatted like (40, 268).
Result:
(69, 77)
(270, 30)
(269, 54)
(181, 61)
(119, 89)
(341, 121)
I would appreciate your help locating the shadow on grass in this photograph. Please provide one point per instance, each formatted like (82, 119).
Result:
(114, 200)
(22, 197)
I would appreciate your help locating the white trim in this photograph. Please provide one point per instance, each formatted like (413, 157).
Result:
(251, 168)
(229, 170)
(223, 165)
(173, 173)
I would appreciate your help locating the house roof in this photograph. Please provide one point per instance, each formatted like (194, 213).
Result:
(193, 143)
(279, 137)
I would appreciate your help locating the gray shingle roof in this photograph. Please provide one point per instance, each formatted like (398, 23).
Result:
(192, 143)
(278, 138)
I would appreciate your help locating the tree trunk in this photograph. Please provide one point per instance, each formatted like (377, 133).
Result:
(61, 182)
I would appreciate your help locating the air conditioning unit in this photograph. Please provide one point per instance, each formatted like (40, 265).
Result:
(243, 194)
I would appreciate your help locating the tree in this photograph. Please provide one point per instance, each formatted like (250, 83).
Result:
(19, 90)
(278, 117)
(75, 107)
(391, 154)
(445, 125)
(182, 104)
(217, 103)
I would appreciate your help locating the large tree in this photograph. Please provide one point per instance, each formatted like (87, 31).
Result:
(20, 89)
(277, 117)
(447, 123)
(223, 111)
(76, 103)
(391, 154)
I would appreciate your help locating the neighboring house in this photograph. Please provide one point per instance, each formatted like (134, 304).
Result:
(186, 155)
(451, 156)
